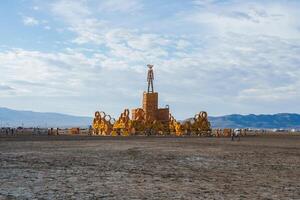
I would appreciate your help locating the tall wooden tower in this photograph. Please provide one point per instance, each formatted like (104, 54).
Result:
(150, 102)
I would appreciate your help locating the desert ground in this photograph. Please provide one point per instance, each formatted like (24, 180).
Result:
(91, 167)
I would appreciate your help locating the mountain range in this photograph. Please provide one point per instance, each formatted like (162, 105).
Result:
(275, 121)
(9, 117)
(15, 118)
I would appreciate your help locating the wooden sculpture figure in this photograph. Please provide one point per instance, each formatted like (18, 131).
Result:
(150, 78)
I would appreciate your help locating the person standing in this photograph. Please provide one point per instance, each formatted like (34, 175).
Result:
(150, 78)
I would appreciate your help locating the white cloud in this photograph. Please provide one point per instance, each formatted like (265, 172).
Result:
(232, 54)
(255, 18)
(30, 21)
(36, 8)
(270, 94)
(79, 18)
(121, 42)
(204, 2)
(127, 6)
(261, 69)
(56, 73)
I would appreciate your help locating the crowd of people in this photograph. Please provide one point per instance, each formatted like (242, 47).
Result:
(14, 131)
(8, 131)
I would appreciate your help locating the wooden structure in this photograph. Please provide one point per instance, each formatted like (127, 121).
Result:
(150, 103)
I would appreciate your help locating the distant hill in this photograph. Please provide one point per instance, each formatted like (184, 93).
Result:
(9, 117)
(281, 120)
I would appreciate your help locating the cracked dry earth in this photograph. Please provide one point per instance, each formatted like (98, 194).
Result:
(83, 167)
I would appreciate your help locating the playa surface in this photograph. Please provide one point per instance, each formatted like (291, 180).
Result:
(87, 167)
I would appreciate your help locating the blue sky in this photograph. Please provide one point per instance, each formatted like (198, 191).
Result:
(222, 56)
